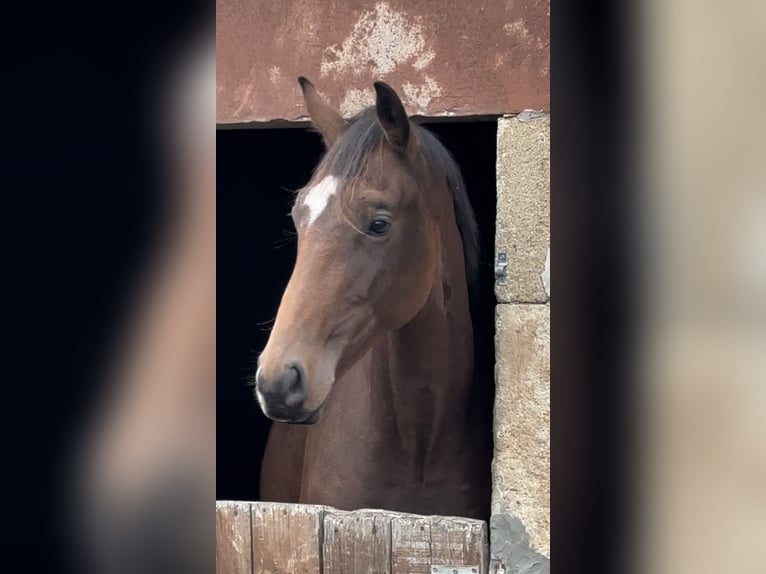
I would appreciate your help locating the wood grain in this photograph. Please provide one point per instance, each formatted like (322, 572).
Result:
(410, 545)
(287, 538)
(274, 538)
(233, 546)
(459, 542)
(357, 542)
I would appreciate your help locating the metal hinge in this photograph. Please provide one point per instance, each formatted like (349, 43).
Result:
(500, 268)
(455, 570)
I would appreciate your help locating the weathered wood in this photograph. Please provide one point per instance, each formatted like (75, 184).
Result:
(419, 543)
(410, 545)
(233, 538)
(270, 538)
(357, 542)
(459, 542)
(287, 538)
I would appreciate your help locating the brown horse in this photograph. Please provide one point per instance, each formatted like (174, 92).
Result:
(371, 354)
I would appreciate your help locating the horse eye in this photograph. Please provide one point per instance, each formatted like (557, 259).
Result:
(378, 226)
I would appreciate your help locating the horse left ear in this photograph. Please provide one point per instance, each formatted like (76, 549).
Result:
(326, 119)
(392, 116)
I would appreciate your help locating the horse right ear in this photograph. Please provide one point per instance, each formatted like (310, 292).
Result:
(392, 116)
(325, 118)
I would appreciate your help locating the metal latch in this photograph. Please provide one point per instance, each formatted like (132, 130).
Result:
(500, 267)
(455, 570)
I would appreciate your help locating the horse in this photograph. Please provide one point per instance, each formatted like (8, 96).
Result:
(368, 372)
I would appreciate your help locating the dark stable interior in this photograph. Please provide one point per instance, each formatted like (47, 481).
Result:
(256, 171)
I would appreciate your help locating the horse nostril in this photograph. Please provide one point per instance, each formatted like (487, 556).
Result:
(293, 387)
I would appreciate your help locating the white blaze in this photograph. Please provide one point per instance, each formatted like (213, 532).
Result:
(318, 196)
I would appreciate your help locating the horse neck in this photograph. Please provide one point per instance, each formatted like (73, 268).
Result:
(421, 374)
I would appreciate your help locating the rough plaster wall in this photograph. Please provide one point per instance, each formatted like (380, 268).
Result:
(523, 198)
(521, 465)
(520, 525)
(443, 57)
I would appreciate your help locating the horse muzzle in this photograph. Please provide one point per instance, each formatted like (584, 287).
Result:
(283, 397)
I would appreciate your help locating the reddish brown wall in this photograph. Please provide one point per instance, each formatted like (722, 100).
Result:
(443, 57)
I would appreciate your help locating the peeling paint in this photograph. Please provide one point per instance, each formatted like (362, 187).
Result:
(517, 28)
(531, 115)
(480, 67)
(355, 101)
(244, 99)
(424, 60)
(546, 274)
(275, 74)
(422, 94)
(381, 40)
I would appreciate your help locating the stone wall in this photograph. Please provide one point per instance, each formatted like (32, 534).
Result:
(520, 526)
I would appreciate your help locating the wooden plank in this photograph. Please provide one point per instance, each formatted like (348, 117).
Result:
(233, 542)
(271, 538)
(357, 542)
(286, 538)
(459, 542)
(419, 543)
(410, 545)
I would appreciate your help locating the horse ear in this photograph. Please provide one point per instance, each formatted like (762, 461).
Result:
(326, 119)
(392, 116)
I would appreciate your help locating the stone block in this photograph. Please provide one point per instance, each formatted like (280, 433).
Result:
(523, 207)
(521, 463)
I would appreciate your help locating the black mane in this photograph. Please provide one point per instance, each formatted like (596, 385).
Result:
(347, 159)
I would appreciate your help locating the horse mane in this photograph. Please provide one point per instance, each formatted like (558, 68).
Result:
(347, 159)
